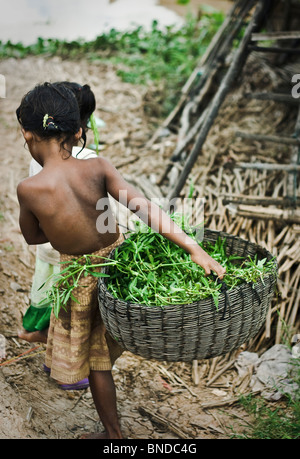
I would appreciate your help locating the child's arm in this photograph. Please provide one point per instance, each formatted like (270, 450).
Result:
(157, 219)
(29, 224)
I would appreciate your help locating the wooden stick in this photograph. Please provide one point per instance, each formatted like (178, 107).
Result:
(229, 401)
(157, 418)
(273, 96)
(217, 375)
(268, 214)
(256, 200)
(268, 138)
(195, 373)
(213, 366)
(264, 166)
(275, 36)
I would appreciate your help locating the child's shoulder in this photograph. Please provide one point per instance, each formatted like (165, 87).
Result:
(98, 164)
(26, 187)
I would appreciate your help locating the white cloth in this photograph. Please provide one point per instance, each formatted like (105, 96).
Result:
(272, 372)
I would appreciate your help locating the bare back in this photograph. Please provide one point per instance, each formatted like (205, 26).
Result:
(64, 201)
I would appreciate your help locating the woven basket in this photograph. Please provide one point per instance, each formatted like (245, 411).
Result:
(192, 331)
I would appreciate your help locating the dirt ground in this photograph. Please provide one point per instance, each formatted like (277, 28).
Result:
(32, 406)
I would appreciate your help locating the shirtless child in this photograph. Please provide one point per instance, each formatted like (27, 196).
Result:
(60, 205)
(37, 317)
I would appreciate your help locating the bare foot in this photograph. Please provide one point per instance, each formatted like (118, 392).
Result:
(39, 336)
(93, 436)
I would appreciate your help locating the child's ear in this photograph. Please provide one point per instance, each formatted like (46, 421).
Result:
(27, 135)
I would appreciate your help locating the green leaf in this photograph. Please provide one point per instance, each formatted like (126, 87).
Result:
(98, 274)
(74, 299)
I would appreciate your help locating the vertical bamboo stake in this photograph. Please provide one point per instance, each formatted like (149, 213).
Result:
(195, 374)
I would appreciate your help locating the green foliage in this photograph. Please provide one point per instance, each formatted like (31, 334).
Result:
(164, 58)
(69, 278)
(95, 132)
(153, 271)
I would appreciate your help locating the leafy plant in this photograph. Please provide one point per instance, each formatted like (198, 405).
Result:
(164, 58)
(152, 270)
(94, 128)
(64, 283)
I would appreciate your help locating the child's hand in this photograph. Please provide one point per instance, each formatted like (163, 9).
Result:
(208, 263)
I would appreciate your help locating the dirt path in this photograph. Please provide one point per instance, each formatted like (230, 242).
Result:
(31, 404)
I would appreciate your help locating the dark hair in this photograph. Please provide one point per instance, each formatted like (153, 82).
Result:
(86, 101)
(50, 111)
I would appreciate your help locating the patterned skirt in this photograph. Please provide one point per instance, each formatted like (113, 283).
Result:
(77, 340)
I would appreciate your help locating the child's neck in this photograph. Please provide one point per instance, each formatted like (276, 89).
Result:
(50, 153)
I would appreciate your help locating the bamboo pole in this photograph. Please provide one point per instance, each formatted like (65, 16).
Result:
(268, 138)
(266, 166)
(275, 35)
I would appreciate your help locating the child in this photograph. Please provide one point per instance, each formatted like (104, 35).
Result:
(60, 205)
(37, 317)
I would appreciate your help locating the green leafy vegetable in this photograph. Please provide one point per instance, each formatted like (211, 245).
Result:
(152, 270)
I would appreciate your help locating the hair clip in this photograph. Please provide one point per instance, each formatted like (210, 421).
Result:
(47, 123)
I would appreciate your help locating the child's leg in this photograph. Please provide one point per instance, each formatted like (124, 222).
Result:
(104, 395)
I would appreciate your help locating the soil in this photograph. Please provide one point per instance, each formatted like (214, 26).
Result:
(32, 405)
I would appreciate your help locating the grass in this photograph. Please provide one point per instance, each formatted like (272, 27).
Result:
(164, 58)
(274, 423)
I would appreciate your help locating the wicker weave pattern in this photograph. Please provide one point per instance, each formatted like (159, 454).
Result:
(192, 331)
